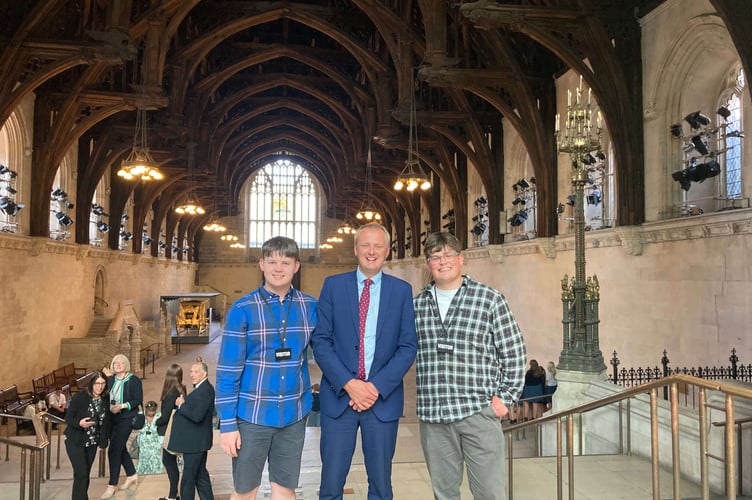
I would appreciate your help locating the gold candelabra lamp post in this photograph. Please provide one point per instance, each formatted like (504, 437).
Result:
(580, 138)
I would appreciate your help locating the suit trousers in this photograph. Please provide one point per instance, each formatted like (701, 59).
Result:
(118, 454)
(170, 463)
(81, 458)
(338, 436)
(195, 477)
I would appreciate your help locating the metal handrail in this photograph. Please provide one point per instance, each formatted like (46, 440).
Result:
(672, 382)
(144, 354)
(49, 419)
(36, 456)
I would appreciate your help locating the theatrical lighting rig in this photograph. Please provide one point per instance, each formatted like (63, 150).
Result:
(699, 147)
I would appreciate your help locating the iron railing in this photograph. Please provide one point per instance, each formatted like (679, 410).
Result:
(569, 416)
(148, 356)
(35, 456)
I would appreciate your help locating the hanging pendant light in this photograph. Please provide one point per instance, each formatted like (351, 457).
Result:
(412, 176)
(139, 164)
(367, 212)
(191, 206)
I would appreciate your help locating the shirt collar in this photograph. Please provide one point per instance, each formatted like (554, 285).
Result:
(361, 277)
(430, 287)
(266, 294)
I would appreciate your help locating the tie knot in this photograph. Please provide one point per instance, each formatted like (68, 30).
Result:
(367, 282)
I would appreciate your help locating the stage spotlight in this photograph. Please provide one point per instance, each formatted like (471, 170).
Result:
(571, 200)
(162, 245)
(699, 144)
(560, 209)
(69, 205)
(594, 198)
(124, 217)
(98, 209)
(59, 195)
(481, 201)
(63, 218)
(518, 219)
(724, 113)
(682, 177)
(9, 207)
(523, 183)
(677, 130)
(589, 159)
(102, 226)
(696, 173)
(478, 229)
(9, 190)
(697, 120)
(519, 200)
(146, 239)
(705, 170)
(6, 171)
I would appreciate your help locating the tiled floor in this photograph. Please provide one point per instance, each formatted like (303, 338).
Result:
(596, 478)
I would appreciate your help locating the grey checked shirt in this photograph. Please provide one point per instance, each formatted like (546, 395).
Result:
(488, 355)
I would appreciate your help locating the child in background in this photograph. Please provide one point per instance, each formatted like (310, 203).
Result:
(149, 443)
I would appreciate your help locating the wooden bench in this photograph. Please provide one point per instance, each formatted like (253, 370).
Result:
(43, 385)
(82, 383)
(67, 374)
(15, 402)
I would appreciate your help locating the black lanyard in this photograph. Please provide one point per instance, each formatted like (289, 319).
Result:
(281, 331)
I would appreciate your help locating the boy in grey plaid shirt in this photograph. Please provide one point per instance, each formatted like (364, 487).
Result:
(470, 370)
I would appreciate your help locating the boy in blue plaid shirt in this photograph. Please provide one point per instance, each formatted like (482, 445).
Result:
(263, 384)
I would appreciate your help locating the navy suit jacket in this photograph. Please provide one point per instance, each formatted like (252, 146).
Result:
(335, 343)
(192, 423)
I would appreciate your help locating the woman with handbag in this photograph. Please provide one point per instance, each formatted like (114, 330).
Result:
(87, 423)
(173, 388)
(126, 395)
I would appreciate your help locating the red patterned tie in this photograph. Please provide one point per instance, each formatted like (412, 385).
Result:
(365, 299)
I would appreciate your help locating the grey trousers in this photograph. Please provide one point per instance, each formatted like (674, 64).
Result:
(477, 442)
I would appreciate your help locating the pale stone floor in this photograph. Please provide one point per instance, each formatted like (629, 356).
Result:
(596, 477)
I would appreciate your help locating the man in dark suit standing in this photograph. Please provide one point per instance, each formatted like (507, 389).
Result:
(364, 342)
(191, 434)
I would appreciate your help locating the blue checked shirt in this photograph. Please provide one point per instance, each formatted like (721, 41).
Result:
(251, 383)
(488, 355)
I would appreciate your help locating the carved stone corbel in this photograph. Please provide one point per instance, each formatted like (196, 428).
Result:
(630, 239)
(547, 246)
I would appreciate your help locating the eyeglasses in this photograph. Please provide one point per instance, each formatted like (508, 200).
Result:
(438, 257)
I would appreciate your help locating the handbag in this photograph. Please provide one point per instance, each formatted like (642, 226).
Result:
(139, 419)
(168, 432)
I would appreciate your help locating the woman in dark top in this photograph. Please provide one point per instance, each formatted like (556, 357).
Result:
(535, 384)
(87, 427)
(126, 395)
(172, 388)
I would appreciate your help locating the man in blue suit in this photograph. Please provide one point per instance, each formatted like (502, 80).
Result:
(364, 342)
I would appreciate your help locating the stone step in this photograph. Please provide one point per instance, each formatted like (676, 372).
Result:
(98, 327)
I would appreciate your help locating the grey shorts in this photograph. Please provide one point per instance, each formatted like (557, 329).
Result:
(283, 448)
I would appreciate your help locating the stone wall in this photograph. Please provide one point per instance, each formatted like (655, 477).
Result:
(48, 295)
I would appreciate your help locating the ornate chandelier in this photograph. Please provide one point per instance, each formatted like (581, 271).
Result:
(191, 205)
(367, 213)
(412, 177)
(139, 164)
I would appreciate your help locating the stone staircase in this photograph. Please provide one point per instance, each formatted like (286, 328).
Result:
(98, 327)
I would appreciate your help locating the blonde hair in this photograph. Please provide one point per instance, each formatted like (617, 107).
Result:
(551, 368)
(125, 360)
